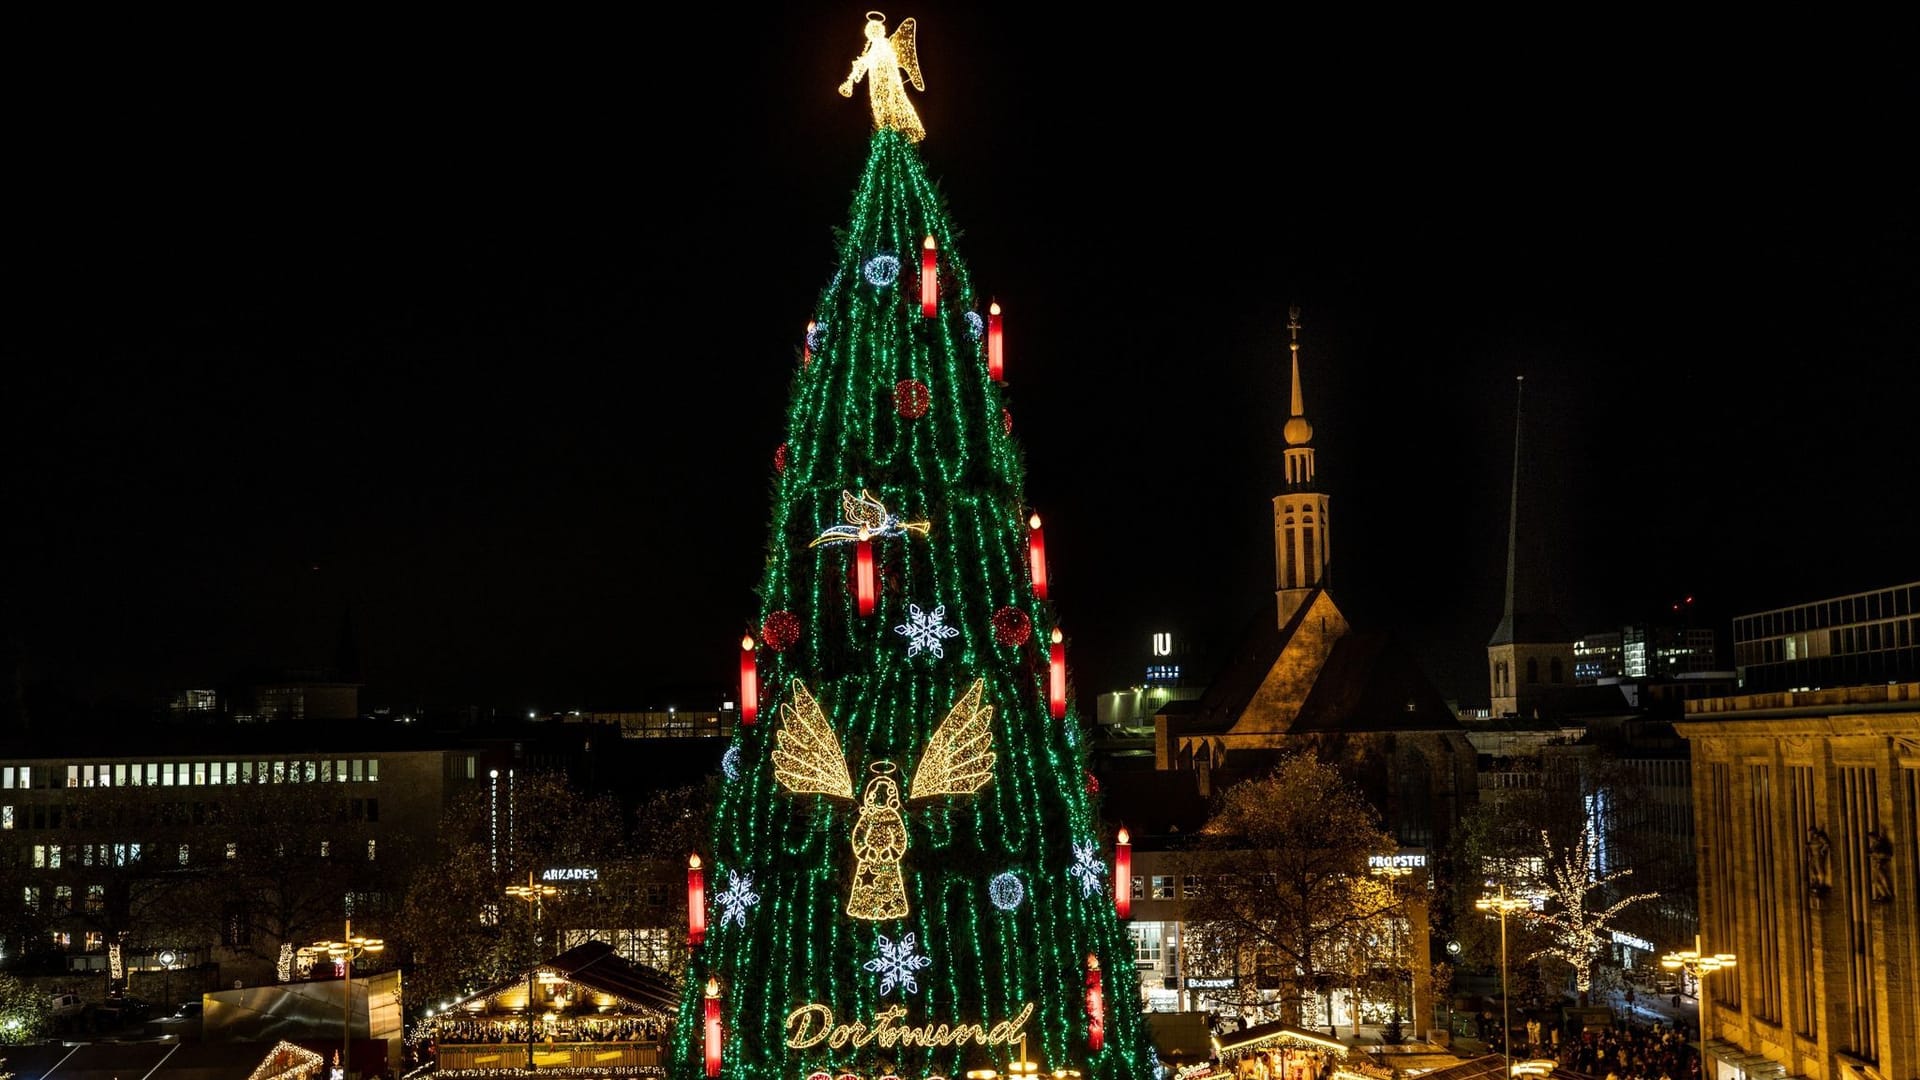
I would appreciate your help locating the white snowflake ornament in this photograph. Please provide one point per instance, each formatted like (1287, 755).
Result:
(1088, 867)
(925, 630)
(897, 962)
(738, 897)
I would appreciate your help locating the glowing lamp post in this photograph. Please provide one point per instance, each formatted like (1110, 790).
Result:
(535, 895)
(996, 350)
(929, 277)
(1503, 905)
(1057, 683)
(749, 682)
(1699, 965)
(713, 1027)
(343, 953)
(696, 901)
(1037, 556)
(1123, 875)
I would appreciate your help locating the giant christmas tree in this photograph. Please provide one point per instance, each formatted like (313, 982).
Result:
(908, 876)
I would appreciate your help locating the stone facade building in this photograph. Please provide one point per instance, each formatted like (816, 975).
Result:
(1807, 813)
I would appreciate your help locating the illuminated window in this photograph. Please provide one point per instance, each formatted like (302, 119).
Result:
(1163, 887)
(6, 817)
(370, 844)
(1146, 943)
(233, 850)
(357, 768)
(96, 902)
(326, 848)
(183, 854)
(53, 856)
(63, 898)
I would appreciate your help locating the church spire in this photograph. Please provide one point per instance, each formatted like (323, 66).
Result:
(1530, 652)
(1301, 551)
(1298, 432)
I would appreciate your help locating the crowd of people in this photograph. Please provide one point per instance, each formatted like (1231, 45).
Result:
(1626, 1051)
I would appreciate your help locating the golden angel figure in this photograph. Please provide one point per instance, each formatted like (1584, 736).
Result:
(883, 59)
(807, 760)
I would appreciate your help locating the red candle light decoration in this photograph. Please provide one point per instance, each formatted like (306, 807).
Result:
(696, 901)
(1057, 690)
(863, 587)
(713, 1027)
(1037, 556)
(1123, 875)
(996, 348)
(1096, 1005)
(929, 277)
(749, 682)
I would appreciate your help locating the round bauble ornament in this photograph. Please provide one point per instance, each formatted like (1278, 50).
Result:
(1006, 422)
(780, 458)
(911, 398)
(781, 631)
(1012, 627)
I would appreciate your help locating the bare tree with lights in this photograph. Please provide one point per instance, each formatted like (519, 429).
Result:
(1578, 926)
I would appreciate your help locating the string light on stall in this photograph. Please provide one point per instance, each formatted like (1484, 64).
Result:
(1037, 556)
(1123, 875)
(996, 346)
(1057, 682)
(929, 277)
(696, 901)
(749, 682)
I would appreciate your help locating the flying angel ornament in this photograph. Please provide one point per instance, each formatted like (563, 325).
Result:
(807, 760)
(867, 517)
(883, 59)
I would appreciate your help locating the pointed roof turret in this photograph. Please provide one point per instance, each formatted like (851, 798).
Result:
(1299, 456)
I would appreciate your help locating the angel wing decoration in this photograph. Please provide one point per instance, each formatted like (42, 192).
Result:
(903, 51)
(807, 761)
(806, 757)
(959, 758)
(883, 58)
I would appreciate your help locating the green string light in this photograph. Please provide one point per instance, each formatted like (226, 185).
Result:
(957, 468)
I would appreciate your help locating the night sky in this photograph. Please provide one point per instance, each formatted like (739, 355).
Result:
(482, 331)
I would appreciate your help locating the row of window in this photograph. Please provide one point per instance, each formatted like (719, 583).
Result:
(46, 816)
(1873, 637)
(1883, 604)
(195, 773)
(55, 856)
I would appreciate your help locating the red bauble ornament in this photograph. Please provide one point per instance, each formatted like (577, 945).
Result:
(1006, 422)
(781, 631)
(911, 398)
(1012, 627)
(780, 458)
(1093, 784)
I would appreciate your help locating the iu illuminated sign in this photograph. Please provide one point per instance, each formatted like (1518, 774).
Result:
(1163, 644)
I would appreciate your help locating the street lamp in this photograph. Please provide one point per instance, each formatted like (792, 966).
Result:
(1393, 874)
(1503, 905)
(1698, 964)
(344, 952)
(535, 895)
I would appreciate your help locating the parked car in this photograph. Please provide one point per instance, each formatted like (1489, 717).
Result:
(188, 1010)
(67, 1004)
(123, 1009)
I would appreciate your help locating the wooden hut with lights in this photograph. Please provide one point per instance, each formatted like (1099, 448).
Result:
(592, 1013)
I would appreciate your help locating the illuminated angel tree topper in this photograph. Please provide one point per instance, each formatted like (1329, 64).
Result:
(918, 824)
(1577, 917)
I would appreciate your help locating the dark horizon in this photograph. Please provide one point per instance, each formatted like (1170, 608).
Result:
(500, 369)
